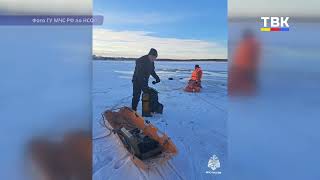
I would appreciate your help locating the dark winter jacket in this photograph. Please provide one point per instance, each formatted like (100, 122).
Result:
(144, 68)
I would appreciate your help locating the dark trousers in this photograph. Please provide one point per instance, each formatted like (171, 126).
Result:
(136, 95)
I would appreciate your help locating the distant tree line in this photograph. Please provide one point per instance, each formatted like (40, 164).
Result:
(133, 59)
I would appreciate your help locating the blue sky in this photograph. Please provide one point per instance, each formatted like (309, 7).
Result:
(203, 22)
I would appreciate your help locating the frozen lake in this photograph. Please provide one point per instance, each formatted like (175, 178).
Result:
(195, 122)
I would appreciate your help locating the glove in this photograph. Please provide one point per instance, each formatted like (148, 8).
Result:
(155, 82)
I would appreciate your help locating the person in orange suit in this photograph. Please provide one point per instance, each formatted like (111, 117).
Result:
(242, 79)
(196, 76)
(69, 158)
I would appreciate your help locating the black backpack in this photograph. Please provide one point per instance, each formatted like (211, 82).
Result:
(150, 103)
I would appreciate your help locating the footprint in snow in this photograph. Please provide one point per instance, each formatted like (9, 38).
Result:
(101, 161)
(119, 163)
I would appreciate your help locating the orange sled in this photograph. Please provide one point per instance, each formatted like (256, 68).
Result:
(126, 123)
(193, 86)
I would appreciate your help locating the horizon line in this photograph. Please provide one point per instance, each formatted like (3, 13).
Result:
(95, 57)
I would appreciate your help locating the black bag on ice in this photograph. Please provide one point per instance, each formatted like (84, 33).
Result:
(150, 103)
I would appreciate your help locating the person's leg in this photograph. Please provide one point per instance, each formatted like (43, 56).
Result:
(192, 82)
(136, 95)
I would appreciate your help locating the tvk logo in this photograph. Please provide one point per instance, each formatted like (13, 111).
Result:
(275, 24)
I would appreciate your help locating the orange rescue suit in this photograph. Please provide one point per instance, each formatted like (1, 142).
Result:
(247, 55)
(243, 71)
(196, 74)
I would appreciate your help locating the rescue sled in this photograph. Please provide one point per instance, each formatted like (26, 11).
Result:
(193, 86)
(148, 146)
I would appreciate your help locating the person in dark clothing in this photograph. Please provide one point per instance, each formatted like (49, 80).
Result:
(144, 68)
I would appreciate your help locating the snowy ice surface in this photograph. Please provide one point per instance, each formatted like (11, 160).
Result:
(196, 122)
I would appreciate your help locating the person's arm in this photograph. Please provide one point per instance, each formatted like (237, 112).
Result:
(154, 74)
(199, 75)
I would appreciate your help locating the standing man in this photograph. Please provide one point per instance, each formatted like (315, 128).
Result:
(144, 68)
